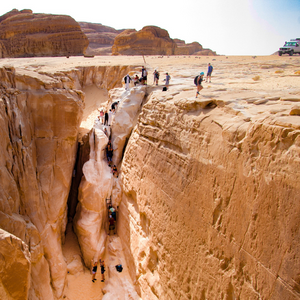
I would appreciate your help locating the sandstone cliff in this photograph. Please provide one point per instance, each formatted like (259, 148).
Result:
(101, 38)
(150, 40)
(40, 116)
(193, 48)
(24, 34)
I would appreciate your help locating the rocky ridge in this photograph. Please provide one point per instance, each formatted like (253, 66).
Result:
(152, 40)
(25, 34)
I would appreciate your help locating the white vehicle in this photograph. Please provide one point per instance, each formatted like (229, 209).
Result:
(290, 47)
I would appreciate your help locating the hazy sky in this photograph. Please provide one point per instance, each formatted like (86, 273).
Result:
(231, 27)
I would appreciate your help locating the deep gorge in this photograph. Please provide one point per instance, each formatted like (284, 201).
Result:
(207, 197)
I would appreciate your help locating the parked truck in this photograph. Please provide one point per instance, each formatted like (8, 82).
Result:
(290, 47)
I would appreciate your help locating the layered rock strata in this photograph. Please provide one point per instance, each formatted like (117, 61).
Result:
(40, 116)
(210, 203)
(150, 40)
(101, 38)
(24, 34)
(192, 48)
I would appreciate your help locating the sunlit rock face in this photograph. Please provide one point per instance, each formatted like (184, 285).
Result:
(40, 116)
(14, 267)
(94, 188)
(150, 40)
(24, 34)
(98, 182)
(210, 204)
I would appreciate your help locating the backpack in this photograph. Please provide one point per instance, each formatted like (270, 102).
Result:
(165, 89)
(196, 79)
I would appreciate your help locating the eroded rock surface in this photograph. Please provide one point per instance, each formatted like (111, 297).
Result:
(191, 48)
(25, 34)
(150, 40)
(14, 267)
(40, 115)
(101, 38)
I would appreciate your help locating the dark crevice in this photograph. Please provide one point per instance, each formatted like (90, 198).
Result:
(82, 157)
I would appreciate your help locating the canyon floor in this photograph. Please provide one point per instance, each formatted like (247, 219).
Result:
(247, 86)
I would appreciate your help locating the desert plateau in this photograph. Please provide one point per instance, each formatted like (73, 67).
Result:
(206, 192)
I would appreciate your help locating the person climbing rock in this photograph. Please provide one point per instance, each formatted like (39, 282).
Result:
(113, 212)
(109, 153)
(105, 131)
(94, 270)
(106, 118)
(114, 106)
(198, 80)
(102, 266)
(115, 171)
(111, 224)
(119, 268)
(110, 116)
(101, 115)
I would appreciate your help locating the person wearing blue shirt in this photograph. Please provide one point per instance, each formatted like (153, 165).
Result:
(209, 71)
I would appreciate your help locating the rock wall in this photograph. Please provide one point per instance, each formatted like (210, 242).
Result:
(101, 38)
(210, 204)
(15, 269)
(150, 40)
(24, 34)
(40, 115)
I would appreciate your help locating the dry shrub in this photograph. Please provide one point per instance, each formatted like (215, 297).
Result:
(256, 78)
(279, 71)
(297, 72)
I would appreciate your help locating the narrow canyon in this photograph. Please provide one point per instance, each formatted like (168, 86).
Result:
(207, 191)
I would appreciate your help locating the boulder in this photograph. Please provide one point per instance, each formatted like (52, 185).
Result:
(150, 40)
(295, 110)
(25, 34)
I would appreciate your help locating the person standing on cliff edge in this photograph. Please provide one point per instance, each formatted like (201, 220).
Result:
(144, 75)
(209, 71)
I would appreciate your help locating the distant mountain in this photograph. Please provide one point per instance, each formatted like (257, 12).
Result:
(151, 40)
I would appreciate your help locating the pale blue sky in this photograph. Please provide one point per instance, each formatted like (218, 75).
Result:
(231, 27)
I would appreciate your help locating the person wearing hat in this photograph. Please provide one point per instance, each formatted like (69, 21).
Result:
(198, 83)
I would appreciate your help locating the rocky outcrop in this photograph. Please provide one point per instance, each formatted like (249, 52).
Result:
(24, 34)
(101, 38)
(14, 267)
(150, 40)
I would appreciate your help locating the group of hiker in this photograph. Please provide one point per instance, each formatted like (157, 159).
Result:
(94, 267)
(143, 79)
(106, 117)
